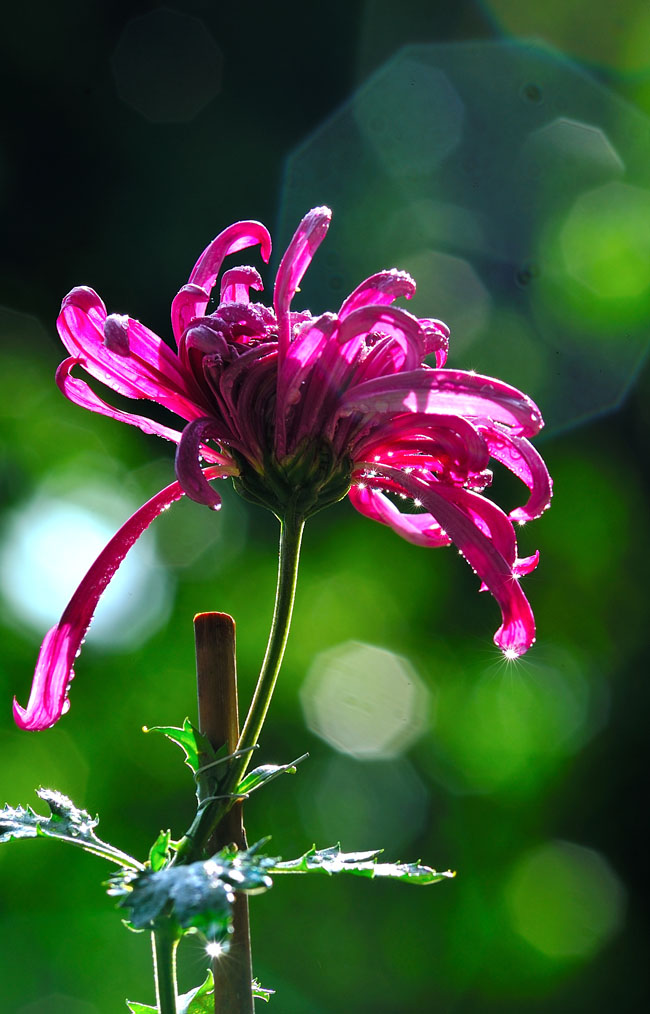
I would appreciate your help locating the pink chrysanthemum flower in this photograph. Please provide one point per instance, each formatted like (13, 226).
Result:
(301, 411)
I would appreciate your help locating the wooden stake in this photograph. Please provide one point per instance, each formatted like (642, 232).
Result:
(216, 674)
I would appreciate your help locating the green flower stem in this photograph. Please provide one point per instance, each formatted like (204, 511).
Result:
(291, 529)
(164, 943)
(209, 815)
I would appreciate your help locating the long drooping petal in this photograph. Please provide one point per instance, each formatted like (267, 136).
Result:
(517, 632)
(48, 699)
(83, 395)
(455, 391)
(297, 258)
(517, 454)
(420, 529)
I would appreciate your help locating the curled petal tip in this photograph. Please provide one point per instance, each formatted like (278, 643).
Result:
(188, 470)
(317, 215)
(297, 258)
(83, 297)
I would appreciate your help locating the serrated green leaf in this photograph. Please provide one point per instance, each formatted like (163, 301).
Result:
(160, 853)
(66, 823)
(197, 896)
(199, 1000)
(362, 864)
(200, 755)
(265, 773)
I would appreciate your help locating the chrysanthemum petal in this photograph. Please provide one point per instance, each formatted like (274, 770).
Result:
(297, 258)
(379, 290)
(401, 327)
(54, 669)
(193, 298)
(236, 282)
(188, 470)
(518, 455)
(517, 632)
(79, 392)
(450, 435)
(467, 394)
(526, 564)
(188, 303)
(301, 361)
(420, 529)
(144, 366)
(435, 339)
(233, 239)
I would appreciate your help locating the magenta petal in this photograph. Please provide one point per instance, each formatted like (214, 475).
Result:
(145, 367)
(402, 327)
(517, 454)
(233, 239)
(193, 298)
(526, 564)
(379, 290)
(54, 668)
(85, 298)
(517, 632)
(420, 529)
(450, 435)
(82, 394)
(435, 339)
(79, 392)
(300, 362)
(188, 303)
(456, 391)
(488, 518)
(188, 470)
(235, 284)
(297, 258)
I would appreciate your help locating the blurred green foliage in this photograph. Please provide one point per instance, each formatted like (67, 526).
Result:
(525, 780)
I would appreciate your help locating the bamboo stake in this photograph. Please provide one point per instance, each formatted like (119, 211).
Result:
(216, 673)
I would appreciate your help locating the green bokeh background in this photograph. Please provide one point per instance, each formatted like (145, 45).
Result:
(527, 780)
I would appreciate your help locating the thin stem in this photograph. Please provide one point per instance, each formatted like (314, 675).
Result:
(164, 943)
(210, 814)
(289, 555)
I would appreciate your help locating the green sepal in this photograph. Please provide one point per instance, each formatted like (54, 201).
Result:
(66, 823)
(200, 755)
(199, 1000)
(198, 896)
(266, 773)
(362, 864)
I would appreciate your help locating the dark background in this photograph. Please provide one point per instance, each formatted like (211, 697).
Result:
(131, 135)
